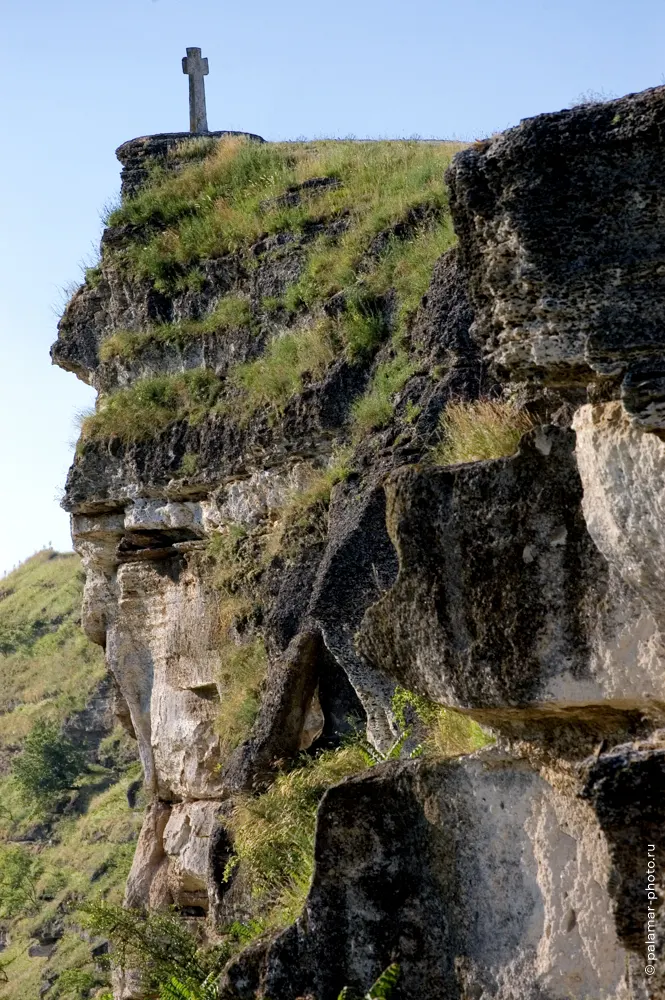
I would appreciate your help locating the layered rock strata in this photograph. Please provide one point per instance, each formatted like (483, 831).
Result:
(523, 591)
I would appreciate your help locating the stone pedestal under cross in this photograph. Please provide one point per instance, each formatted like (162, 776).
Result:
(196, 68)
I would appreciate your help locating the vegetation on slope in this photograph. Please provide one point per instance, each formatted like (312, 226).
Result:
(370, 218)
(48, 669)
(59, 845)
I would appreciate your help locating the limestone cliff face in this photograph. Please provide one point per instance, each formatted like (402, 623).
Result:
(525, 591)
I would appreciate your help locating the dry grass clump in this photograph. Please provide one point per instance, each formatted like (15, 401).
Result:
(231, 313)
(242, 673)
(150, 404)
(480, 430)
(273, 834)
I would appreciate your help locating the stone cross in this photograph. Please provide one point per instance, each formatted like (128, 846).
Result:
(196, 68)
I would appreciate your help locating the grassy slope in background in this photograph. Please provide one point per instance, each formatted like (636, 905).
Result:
(51, 862)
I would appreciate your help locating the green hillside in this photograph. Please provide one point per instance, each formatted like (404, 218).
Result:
(58, 850)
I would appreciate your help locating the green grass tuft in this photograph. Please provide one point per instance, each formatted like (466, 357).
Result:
(448, 733)
(375, 409)
(231, 313)
(151, 404)
(480, 430)
(280, 372)
(274, 833)
(304, 517)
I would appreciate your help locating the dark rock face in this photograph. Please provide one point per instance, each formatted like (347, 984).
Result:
(560, 226)
(138, 156)
(498, 579)
(626, 789)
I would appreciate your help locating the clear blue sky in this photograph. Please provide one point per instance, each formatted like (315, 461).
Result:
(78, 77)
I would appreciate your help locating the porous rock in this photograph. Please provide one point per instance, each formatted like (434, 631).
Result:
(559, 221)
(503, 601)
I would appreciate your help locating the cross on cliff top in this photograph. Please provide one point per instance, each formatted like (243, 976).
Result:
(196, 68)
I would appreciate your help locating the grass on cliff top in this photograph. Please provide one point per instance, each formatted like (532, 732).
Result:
(389, 205)
(483, 429)
(227, 201)
(48, 668)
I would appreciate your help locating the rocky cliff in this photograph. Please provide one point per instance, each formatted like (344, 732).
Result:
(278, 556)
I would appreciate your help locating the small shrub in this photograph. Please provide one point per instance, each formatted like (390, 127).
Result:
(159, 944)
(375, 409)
(242, 672)
(49, 763)
(19, 874)
(273, 834)
(480, 430)
(150, 404)
(76, 983)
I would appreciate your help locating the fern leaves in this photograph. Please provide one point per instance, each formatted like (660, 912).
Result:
(382, 989)
(175, 989)
(385, 984)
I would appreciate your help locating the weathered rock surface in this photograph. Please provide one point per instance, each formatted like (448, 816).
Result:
(523, 590)
(480, 876)
(623, 473)
(560, 226)
(503, 601)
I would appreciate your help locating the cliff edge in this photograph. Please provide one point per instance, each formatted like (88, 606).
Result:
(375, 472)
